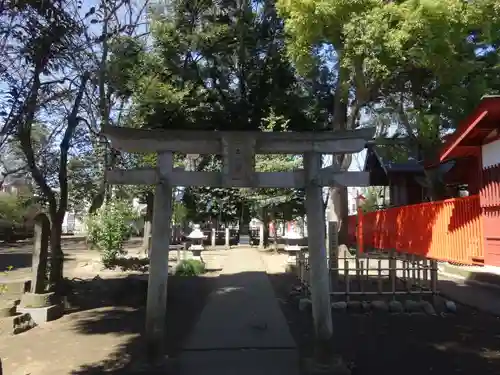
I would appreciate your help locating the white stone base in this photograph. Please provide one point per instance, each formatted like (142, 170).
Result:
(196, 247)
(292, 259)
(293, 252)
(43, 314)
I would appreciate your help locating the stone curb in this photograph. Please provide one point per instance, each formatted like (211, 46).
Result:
(483, 279)
(16, 286)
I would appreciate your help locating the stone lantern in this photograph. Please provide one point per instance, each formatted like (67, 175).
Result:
(292, 246)
(197, 237)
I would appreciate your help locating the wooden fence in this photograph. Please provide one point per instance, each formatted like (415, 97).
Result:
(449, 230)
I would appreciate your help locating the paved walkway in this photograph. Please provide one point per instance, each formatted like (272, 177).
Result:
(482, 298)
(241, 329)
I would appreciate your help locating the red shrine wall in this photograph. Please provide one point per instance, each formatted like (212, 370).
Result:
(490, 201)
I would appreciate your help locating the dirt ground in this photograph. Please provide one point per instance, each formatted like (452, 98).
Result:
(465, 342)
(103, 333)
(76, 255)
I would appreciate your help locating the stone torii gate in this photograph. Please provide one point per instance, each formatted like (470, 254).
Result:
(238, 149)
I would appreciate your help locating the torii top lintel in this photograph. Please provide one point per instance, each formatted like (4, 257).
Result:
(212, 142)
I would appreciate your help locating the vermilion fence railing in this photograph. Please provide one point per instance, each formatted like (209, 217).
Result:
(449, 230)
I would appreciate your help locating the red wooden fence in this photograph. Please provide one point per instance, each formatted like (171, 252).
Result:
(490, 206)
(449, 230)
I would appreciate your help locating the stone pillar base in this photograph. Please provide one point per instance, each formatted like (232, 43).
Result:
(42, 315)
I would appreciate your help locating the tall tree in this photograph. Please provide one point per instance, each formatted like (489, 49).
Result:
(219, 65)
(416, 59)
(40, 44)
(48, 66)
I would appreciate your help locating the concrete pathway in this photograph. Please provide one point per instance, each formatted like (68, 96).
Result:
(482, 298)
(241, 329)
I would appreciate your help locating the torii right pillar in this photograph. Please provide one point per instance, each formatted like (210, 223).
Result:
(320, 285)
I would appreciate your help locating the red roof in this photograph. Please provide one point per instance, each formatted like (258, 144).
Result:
(481, 124)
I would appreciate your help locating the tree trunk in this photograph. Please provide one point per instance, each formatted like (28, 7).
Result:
(338, 211)
(265, 222)
(56, 255)
(147, 222)
(275, 231)
(146, 235)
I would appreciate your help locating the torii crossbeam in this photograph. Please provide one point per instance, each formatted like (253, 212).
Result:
(238, 150)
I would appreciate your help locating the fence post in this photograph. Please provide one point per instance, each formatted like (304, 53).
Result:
(359, 233)
(333, 254)
(228, 238)
(434, 278)
(392, 272)
(214, 233)
(261, 235)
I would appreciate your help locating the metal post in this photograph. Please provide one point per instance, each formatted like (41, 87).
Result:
(333, 253)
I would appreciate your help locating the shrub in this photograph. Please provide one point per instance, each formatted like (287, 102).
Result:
(190, 267)
(109, 228)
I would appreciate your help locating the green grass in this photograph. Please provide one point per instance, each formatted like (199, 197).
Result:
(190, 267)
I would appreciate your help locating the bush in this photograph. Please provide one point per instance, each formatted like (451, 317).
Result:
(190, 267)
(109, 228)
(12, 207)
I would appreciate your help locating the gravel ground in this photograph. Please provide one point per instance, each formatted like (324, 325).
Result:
(465, 342)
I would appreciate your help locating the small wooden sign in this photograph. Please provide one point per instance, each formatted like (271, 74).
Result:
(239, 160)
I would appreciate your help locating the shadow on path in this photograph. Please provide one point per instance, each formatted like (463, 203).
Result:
(465, 342)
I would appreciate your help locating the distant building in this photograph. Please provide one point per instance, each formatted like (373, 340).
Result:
(16, 185)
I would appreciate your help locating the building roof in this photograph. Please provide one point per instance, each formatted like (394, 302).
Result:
(381, 167)
(482, 124)
(375, 153)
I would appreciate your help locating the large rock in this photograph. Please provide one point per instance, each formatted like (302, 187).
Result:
(305, 304)
(15, 324)
(450, 306)
(354, 306)
(412, 306)
(339, 306)
(379, 306)
(428, 308)
(395, 307)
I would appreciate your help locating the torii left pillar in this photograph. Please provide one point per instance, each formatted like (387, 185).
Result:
(320, 288)
(158, 260)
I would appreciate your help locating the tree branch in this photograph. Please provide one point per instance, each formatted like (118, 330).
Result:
(65, 145)
(24, 127)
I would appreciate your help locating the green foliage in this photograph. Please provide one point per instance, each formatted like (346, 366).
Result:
(204, 203)
(223, 66)
(179, 212)
(372, 200)
(84, 176)
(125, 59)
(426, 63)
(109, 228)
(286, 201)
(216, 66)
(190, 267)
(13, 208)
